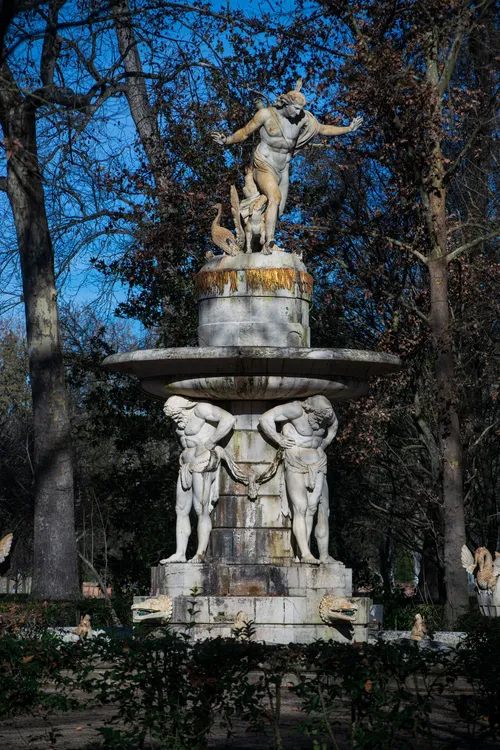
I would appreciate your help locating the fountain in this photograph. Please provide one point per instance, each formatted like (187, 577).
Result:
(252, 406)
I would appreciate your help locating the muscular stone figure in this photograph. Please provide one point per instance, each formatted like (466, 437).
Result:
(308, 427)
(200, 426)
(283, 129)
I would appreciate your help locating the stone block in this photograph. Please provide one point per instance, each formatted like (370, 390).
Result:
(177, 577)
(252, 545)
(269, 610)
(285, 634)
(256, 580)
(249, 445)
(182, 605)
(246, 421)
(297, 611)
(234, 511)
(328, 577)
(223, 609)
(296, 575)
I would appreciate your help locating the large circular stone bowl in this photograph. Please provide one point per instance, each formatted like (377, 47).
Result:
(253, 372)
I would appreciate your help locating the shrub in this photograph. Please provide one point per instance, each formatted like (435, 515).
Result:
(390, 691)
(478, 659)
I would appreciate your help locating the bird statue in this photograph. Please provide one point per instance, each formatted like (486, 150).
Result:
(5, 545)
(487, 571)
(223, 238)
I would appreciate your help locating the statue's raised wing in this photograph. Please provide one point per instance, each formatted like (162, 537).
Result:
(5, 545)
(496, 565)
(467, 559)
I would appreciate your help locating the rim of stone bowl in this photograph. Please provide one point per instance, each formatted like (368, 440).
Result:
(253, 360)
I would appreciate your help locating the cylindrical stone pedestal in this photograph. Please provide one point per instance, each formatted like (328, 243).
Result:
(250, 531)
(254, 300)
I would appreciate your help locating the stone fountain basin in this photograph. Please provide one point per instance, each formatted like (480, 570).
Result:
(253, 372)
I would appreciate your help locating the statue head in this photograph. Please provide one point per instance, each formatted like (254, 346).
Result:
(318, 409)
(294, 98)
(176, 407)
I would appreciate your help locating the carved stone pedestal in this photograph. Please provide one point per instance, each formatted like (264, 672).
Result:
(281, 601)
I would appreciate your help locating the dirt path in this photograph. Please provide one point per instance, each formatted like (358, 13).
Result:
(74, 731)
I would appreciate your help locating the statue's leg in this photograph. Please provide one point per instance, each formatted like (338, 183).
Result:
(183, 526)
(322, 531)
(284, 192)
(297, 495)
(268, 185)
(313, 499)
(202, 487)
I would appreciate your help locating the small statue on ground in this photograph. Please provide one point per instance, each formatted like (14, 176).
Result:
(419, 628)
(308, 428)
(84, 629)
(284, 129)
(486, 574)
(200, 426)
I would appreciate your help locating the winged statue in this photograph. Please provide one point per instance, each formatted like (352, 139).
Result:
(486, 571)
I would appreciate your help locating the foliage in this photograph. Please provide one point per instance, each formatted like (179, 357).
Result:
(390, 690)
(169, 691)
(400, 610)
(31, 665)
(478, 657)
(18, 612)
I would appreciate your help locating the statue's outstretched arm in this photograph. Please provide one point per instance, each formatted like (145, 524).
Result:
(336, 130)
(242, 134)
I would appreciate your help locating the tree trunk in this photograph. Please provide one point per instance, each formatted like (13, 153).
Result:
(431, 575)
(55, 574)
(449, 443)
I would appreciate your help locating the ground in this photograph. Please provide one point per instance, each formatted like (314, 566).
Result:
(74, 731)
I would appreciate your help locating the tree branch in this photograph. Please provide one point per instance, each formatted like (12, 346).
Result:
(452, 58)
(3, 184)
(469, 245)
(102, 586)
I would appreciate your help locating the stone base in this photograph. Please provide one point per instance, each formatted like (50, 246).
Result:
(281, 601)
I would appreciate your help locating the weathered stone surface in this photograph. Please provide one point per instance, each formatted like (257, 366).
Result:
(251, 545)
(223, 579)
(253, 372)
(254, 300)
(238, 511)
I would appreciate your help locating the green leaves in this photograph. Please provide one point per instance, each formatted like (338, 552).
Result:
(171, 693)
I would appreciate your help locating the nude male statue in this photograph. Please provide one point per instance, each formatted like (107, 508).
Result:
(200, 426)
(308, 428)
(284, 129)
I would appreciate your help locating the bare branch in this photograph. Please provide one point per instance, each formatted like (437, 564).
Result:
(469, 245)
(452, 58)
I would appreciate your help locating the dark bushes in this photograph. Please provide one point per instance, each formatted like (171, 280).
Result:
(168, 691)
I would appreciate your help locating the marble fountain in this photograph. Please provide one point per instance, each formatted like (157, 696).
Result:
(252, 404)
